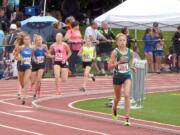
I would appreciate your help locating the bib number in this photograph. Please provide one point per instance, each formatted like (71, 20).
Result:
(40, 59)
(123, 68)
(27, 61)
(58, 56)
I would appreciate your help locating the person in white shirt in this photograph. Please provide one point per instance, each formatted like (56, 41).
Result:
(95, 36)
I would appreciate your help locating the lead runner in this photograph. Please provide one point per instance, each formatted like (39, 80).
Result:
(121, 61)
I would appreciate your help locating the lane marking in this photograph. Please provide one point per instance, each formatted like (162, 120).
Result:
(15, 105)
(71, 106)
(21, 130)
(52, 123)
(23, 111)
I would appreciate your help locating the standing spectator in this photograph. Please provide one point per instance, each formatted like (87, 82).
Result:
(148, 48)
(1, 62)
(105, 48)
(57, 28)
(1, 37)
(18, 24)
(1, 52)
(74, 38)
(158, 43)
(3, 20)
(125, 31)
(95, 36)
(176, 45)
(11, 37)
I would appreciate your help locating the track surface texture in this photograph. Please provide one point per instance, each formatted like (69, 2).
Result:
(55, 115)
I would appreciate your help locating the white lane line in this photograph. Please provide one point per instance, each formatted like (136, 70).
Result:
(72, 103)
(21, 130)
(52, 123)
(23, 111)
(15, 105)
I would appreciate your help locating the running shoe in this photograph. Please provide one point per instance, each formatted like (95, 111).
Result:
(82, 89)
(19, 96)
(23, 101)
(34, 96)
(93, 78)
(115, 117)
(126, 122)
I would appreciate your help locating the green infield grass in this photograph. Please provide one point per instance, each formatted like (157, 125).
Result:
(159, 107)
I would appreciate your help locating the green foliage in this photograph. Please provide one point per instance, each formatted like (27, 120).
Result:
(161, 107)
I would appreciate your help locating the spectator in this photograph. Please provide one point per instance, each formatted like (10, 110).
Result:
(74, 37)
(105, 48)
(1, 37)
(18, 24)
(11, 37)
(176, 45)
(148, 48)
(69, 20)
(1, 62)
(95, 36)
(57, 28)
(4, 21)
(158, 44)
(125, 31)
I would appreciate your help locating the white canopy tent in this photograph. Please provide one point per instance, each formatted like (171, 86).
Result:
(140, 14)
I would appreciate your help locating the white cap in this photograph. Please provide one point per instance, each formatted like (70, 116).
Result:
(13, 27)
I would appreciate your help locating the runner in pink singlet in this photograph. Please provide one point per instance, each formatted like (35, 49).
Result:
(60, 53)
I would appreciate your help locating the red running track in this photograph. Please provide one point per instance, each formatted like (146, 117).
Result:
(17, 119)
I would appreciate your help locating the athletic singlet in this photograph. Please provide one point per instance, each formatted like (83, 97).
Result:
(87, 53)
(26, 55)
(39, 54)
(60, 52)
(122, 69)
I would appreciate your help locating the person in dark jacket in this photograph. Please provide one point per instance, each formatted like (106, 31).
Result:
(176, 45)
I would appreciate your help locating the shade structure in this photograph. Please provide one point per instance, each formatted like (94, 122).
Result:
(140, 14)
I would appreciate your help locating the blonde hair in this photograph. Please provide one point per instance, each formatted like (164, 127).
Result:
(120, 35)
(37, 36)
(20, 39)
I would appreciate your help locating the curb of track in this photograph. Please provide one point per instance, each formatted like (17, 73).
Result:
(88, 116)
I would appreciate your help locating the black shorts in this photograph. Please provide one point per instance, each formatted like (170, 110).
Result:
(85, 64)
(22, 68)
(62, 65)
(36, 67)
(121, 80)
(177, 50)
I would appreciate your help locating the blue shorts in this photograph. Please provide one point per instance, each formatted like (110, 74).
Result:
(158, 53)
(120, 80)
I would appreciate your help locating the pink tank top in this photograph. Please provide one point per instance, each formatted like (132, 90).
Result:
(77, 37)
(60, 52)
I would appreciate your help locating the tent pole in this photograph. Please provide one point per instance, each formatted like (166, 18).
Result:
(33, 3)
(135, 35)
(44, 13)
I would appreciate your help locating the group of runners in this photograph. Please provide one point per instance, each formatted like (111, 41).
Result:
(31, 57)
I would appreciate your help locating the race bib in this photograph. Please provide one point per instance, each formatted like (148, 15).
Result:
(27, 60)
(87, 56)
(59, 56)
(123, 68)
(40, 59)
